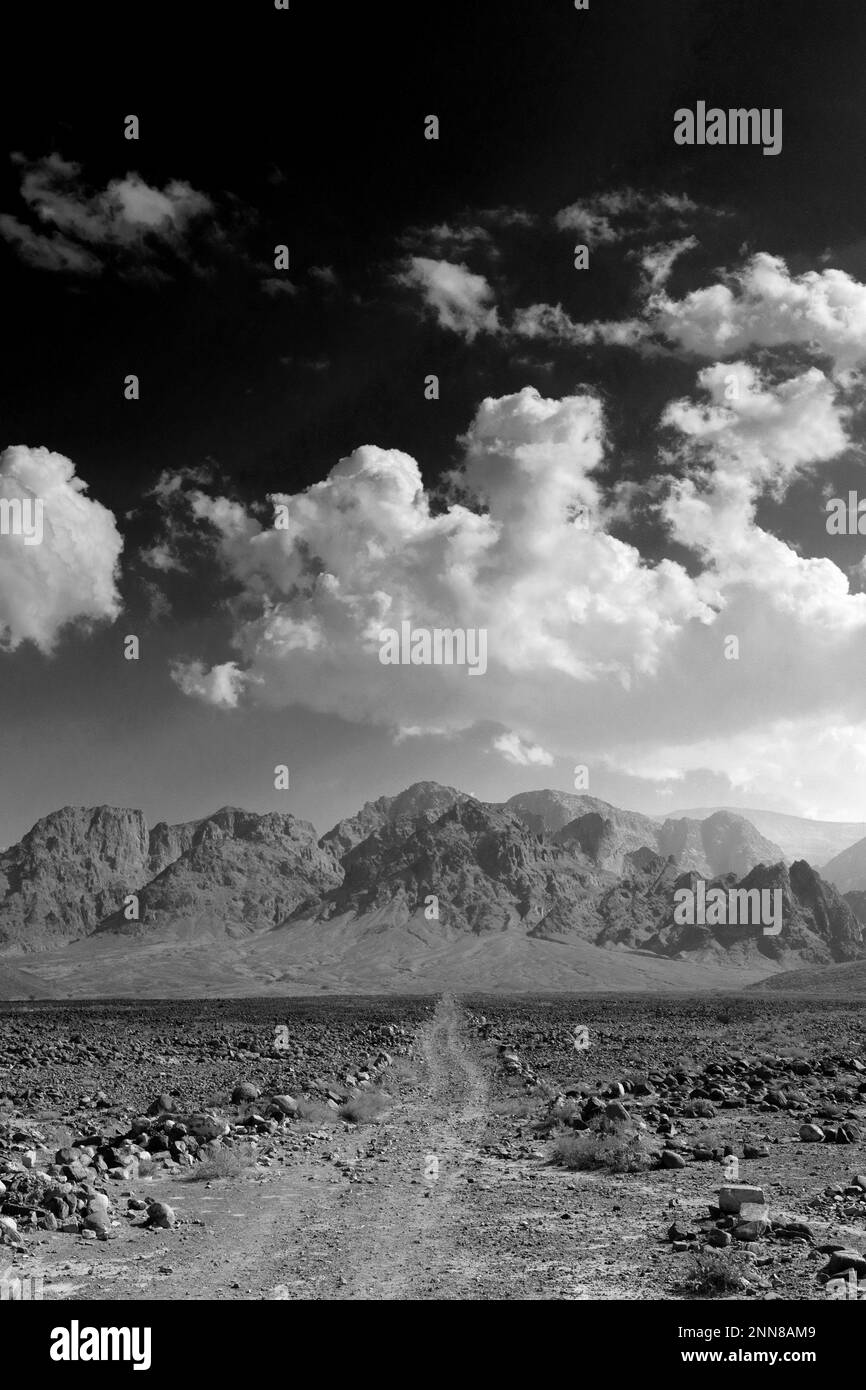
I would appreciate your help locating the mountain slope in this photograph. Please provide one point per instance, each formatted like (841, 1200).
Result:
(848, 869)
(421, 799)
(487, 870)
(816, 841)
(846, 981)
(720, 844)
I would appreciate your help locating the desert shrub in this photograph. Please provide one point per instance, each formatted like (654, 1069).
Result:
(223, 1163)
(615, 1147)
(567, 1114)
(710, 1273)
(520, 1107)
(315, 1112)
(365, 1107)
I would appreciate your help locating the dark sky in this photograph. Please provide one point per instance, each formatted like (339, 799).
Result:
(539, 104)
(306, 127)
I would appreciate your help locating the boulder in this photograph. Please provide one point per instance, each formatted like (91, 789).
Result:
(732, 1196)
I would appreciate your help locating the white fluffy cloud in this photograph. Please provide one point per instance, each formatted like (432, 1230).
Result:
(71, 575)
(563, 606)
(747, 446)
(520, 754)
(592, 652)
(763, 305)
(221, 686)
(759, 306)
(461, 301)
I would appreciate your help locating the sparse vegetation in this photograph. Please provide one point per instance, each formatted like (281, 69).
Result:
(617, 1148)
(711, 1273)
(366, 1107)
(223, 1163)
(519, 1107)
(315, 1112)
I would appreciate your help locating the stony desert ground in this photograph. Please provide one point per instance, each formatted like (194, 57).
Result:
(417, 1148)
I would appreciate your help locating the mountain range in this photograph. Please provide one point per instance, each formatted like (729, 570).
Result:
(545, 888)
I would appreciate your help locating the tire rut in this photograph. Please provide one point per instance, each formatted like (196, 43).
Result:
(402, 1243)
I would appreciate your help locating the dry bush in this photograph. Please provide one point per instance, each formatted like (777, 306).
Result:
(712, 1272)
(365, 1107)
(614, 1147)
(519, 1107)
(316, 1112)
(567, 1114)
(223, 1163)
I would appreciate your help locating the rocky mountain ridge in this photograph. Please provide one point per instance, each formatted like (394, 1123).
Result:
(545, 865)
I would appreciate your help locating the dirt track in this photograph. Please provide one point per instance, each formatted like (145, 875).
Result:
(390, 1229)
(451, 1194)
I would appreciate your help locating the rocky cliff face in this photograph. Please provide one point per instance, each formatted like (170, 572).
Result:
(241, 873)
(70, 871)
(817, 925)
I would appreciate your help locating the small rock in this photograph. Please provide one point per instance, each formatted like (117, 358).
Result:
(719, 1239)
(812, 1134)
(679, 1232)
(161, 1215)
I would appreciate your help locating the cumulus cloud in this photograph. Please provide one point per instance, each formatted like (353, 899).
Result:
(521, 754)
(220, 686)
(592, 650)
(763, 305)
(461, 300)
(562, 604)
(71, 575)
(129, 224)
(752, 439)
(762, 432)
(760, 306)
